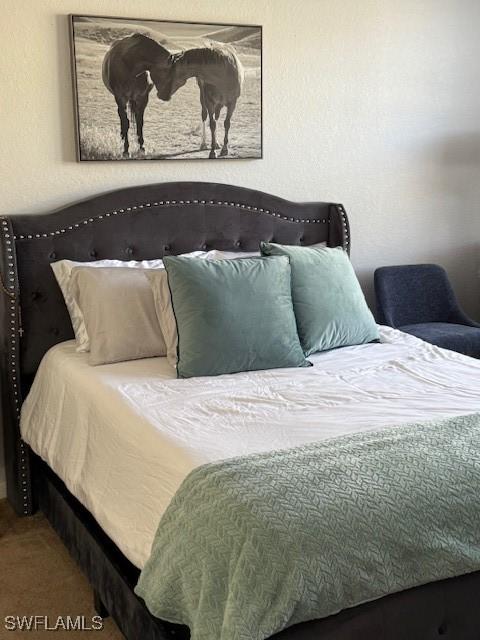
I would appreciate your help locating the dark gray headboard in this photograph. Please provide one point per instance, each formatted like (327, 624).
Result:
(137, 223)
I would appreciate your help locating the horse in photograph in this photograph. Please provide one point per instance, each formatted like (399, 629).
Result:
(219, 75)
(126, 74)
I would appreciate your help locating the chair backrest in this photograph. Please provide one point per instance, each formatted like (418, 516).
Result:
(412, 294)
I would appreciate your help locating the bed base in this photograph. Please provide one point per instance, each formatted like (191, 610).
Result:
(449, 608)
(110, 574)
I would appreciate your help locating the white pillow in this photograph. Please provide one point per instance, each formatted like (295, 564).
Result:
(216, 254)
(164, 309)
(63, 273)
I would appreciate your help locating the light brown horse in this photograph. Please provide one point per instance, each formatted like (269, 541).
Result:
(125, 73)
(219, 75)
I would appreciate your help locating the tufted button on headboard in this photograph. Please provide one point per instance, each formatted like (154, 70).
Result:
(138, 223)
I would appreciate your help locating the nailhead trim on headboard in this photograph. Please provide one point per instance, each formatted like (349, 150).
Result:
(170, 203)
(343, 215)
(13, 363)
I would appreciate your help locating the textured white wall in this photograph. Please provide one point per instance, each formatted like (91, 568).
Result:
(374, 103)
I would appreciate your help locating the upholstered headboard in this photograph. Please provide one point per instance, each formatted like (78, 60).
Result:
(137, 223)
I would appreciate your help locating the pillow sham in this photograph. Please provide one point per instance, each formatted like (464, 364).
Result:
(329, 304)
(163, 306)
(62, 270)
(233, 315)
(217, 254)
(118, 310)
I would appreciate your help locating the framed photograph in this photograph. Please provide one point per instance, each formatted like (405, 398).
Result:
(157, 90)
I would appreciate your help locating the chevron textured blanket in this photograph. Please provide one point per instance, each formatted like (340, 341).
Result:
(252, 545)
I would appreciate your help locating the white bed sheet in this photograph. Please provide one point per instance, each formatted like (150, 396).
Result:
(124, 436)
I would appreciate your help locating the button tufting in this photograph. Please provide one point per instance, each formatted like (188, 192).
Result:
(442, 629)
(238, 243)
(55, 331)
(129, 251)
(166, 247)
(204, 246)
(93, 253)
(52, 255)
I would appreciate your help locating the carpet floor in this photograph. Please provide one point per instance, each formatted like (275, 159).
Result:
(39, 578)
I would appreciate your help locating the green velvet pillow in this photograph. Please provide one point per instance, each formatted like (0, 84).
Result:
(329, 305)
(233, 315)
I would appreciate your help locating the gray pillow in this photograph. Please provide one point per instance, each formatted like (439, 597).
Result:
(119, 313)
(233, 315)
(329, 304)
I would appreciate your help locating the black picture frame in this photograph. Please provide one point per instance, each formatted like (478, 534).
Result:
(172, 129)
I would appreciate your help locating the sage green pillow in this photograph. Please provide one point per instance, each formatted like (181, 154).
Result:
(329, 304)
(233, 315)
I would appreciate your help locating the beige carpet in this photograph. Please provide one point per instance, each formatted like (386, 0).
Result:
(38, 577)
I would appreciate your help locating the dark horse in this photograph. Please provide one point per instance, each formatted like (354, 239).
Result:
(125, 73)
(219, 75)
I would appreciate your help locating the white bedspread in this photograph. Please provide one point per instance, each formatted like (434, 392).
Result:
(124, 436)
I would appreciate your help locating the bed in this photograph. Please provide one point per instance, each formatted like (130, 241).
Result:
(109, 538)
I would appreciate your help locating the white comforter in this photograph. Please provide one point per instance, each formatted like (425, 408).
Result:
(124, 436)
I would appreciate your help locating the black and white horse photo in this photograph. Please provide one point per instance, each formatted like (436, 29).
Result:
(206, 81)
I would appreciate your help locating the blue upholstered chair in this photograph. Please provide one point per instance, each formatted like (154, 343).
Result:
(419, 299)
